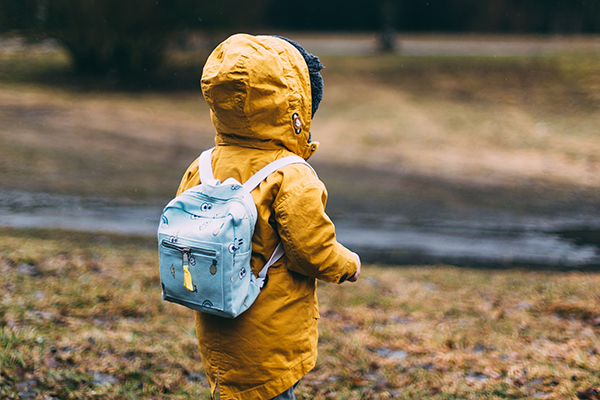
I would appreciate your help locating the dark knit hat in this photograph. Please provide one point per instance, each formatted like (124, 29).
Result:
(316, 80)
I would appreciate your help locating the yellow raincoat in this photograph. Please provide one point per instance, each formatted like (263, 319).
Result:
(254, 86)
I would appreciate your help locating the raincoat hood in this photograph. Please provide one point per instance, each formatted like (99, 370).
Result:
(258, 90)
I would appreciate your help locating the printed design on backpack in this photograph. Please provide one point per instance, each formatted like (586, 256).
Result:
(235, 245)
(205, 243)
(204, 225)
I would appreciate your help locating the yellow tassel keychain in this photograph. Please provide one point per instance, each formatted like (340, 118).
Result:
(187, 277)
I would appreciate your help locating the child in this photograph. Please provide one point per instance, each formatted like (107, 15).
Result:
(262, 92)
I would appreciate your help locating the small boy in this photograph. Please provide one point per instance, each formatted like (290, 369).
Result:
(263, 92)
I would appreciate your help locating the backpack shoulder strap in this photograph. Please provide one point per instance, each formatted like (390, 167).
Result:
(277, 254)
(252, 183)
(206, 172)
(205, 166)
(261, 175)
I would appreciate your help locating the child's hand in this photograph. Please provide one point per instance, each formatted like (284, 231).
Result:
(354, 277)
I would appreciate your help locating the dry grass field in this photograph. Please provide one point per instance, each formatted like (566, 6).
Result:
(480, 118)
(81, 317)
(509, 121)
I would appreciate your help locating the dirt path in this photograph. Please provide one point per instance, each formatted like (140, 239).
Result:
(410, 44)
(447, 45)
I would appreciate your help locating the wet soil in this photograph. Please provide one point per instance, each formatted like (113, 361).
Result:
(410, 219)
(389, 218)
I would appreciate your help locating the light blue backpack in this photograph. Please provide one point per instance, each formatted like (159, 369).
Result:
(205, 243)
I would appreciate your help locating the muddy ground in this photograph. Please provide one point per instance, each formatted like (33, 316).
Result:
(388, 218)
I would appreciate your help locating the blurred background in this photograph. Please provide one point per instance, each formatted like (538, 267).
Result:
(453, 131)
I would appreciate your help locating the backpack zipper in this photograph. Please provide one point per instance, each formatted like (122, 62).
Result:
(188, 250)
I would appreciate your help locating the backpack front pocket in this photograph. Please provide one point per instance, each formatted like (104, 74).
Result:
(191, 275)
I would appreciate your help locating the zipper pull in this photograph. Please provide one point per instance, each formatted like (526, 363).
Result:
(187, 277)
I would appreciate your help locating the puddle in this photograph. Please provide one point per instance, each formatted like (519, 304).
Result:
(51, 211)
(534, 242)
(527, 245)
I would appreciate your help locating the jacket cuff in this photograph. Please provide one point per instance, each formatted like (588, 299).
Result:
(351, 264)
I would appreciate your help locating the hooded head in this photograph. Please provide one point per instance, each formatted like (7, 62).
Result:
(316, 80)
(258, 89)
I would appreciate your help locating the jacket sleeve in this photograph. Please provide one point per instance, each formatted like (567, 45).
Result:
(308, 235)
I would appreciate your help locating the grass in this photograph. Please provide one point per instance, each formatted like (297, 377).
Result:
(81, 317)
(72, 141)
(484, 119)
(77, 131)
(509, 121)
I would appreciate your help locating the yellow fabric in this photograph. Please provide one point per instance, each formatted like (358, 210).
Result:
(187, 280)
(254, 86)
